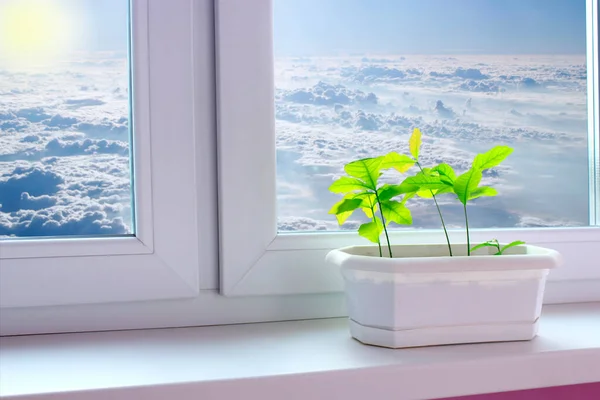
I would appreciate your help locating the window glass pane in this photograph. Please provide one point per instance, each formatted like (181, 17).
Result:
(64, 118)
(353, 78)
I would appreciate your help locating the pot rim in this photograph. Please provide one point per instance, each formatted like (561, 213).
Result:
(532, 258)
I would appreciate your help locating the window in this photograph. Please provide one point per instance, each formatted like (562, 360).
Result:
(205, 221)
(352, 79)
(159, 259)
(65, 119)
(343, 85)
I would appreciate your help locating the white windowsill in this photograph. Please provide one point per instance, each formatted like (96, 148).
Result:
(311, 359)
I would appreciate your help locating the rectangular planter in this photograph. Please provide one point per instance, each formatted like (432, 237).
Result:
(423, 297)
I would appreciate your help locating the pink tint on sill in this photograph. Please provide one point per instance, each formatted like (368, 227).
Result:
(588, 391)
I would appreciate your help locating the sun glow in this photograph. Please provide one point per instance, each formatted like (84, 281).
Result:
(33, 31)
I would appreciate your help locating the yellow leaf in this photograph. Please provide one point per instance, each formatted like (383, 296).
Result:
(414, 143)
(426, 194)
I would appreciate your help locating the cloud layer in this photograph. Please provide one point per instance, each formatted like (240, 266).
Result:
(64, 138)
(64, 150)
(463, 104)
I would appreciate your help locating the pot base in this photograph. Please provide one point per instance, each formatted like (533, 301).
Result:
(435, 336)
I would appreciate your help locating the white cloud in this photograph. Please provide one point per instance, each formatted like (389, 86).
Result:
(442, 111)
(290, 224)
(34, 114)
(479, 86)
(29, 202)
(528, 221)
(64, 166)
(64, 159)
(56, 147)
(326, 94)
(78, 103)
(470, 73)
(33, 181)
(60, 121)
(463, 104)
(65, 196)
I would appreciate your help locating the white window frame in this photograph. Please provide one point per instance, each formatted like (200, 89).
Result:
(87, 285)
(161, 260)
(193, 253)
(255, 259)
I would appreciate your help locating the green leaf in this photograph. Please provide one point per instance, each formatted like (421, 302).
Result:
(399, 162)
(408, 187)
(346, 184)
(346, 204)
(466, 183)
(368, 199)
(511, 244)
(489, 243)
(344, 208)
(446, 173)
(369, 203)
(367, 170)
(423, 181)
(447, 189)
(342, 217)
(407, 197)
(371, 230)
(483, 191)
(386, 192)
(492, 157)
(396, 211)
(426, 194)
(414, 143)
(427, 183)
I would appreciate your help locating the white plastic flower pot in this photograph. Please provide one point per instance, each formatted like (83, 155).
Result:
(423, 297)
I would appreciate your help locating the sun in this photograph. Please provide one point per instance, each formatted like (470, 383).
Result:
(33, 31)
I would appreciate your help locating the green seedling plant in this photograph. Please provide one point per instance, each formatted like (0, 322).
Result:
(441, 179)
(402, 163)
(495, 244)
(362, 190)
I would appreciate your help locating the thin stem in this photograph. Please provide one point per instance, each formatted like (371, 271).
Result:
(440, 214)
(375, 221)
(467, 225)
(383, 221)
(443, 224)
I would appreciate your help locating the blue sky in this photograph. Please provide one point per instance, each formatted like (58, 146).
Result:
(328, 27)
(105, 22)
(108, 22)
(102, 24)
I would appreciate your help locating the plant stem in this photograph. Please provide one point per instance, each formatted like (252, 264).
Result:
(383, 221)
(467, 225)
(375, 221)
(443, 224)
(440, 214)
